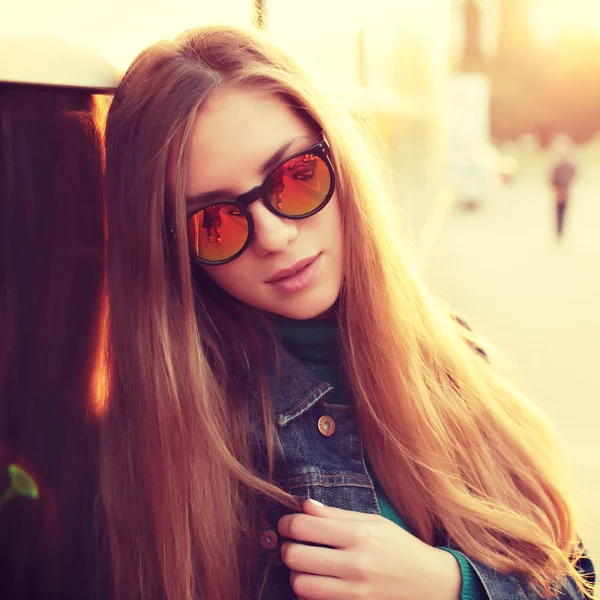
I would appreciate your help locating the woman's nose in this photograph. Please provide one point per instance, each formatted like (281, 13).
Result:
(272, 233)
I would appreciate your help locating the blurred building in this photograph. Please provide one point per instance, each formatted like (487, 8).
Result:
(475, 31)
(474, 170)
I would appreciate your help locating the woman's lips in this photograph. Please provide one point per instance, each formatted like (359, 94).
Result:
(298, 277)
(284, 273)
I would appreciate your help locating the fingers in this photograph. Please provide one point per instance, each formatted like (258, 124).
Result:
(314, 559)
(317, 530)
(316, 587)
(326, 525)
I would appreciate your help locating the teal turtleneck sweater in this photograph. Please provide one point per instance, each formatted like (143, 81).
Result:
(316, 344)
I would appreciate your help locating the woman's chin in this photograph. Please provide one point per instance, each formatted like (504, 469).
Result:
(309, 310)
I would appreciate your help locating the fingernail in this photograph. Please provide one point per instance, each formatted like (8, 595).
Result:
(315, 502)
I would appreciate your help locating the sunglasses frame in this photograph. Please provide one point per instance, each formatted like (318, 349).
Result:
(260, 192)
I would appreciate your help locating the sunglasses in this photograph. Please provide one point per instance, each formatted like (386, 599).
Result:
(297, 188)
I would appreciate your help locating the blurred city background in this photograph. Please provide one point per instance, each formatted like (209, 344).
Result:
(472, 103)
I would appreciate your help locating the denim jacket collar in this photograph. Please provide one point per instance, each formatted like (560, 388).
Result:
(293, 387)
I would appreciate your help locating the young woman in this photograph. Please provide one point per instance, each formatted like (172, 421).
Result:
(290, 411)
(52, 264)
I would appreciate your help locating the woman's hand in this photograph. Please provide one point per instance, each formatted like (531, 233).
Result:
(368, 557)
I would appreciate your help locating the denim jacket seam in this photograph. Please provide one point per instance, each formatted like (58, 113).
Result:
(358, 478)
(337, 406)
(304, 404)
(326, 483)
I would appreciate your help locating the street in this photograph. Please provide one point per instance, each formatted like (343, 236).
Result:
(538, 301)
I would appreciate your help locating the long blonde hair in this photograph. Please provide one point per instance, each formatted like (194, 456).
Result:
(462, 455)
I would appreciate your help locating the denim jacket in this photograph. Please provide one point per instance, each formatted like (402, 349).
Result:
(323, 459)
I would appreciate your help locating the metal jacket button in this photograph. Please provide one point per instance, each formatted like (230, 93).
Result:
(326, 425)
(268, 539)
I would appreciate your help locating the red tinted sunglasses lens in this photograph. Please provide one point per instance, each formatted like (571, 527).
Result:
(300, 185)
(217, 232)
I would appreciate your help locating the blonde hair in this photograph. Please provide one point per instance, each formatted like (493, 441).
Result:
(463, 456)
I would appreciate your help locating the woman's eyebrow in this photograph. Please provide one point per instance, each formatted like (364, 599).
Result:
(280, 154)
(207, 197)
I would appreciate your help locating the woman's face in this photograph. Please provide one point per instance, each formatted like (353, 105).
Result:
(235, 133)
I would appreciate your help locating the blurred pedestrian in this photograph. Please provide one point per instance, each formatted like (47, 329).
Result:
(562, 175)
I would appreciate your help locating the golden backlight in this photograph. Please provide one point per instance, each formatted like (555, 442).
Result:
(100, 372)
(552, 18)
